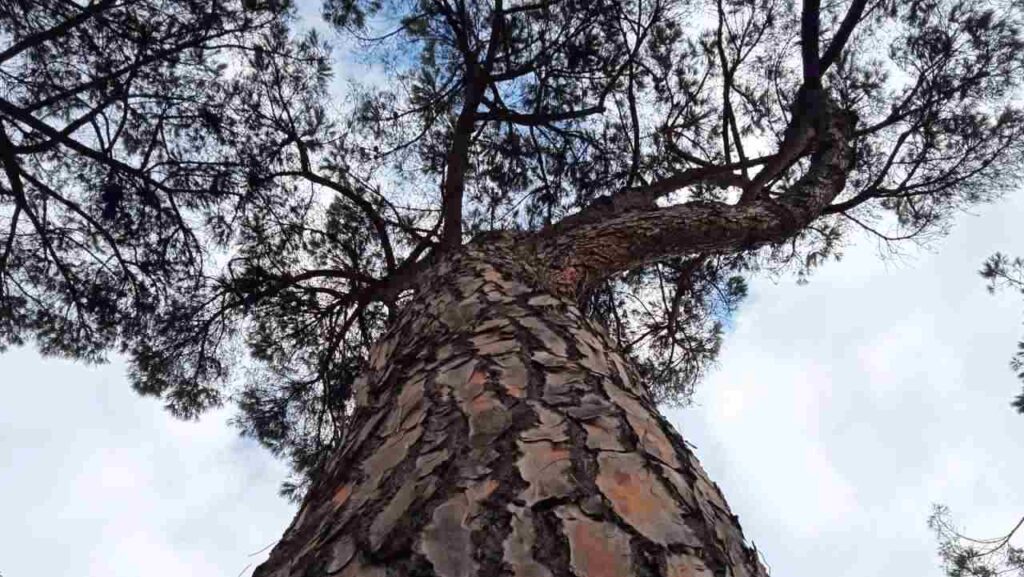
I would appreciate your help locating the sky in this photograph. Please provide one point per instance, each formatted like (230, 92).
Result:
(840, 411)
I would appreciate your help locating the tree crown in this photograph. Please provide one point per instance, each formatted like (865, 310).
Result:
(184, 181)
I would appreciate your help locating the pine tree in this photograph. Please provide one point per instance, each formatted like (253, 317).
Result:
(964, 556)
(1005, 273)
(454, 295)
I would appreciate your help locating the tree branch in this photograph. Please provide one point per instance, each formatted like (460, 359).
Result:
(645, 197)
(13, 173)
(45, 129)
(850, 21)
(810, 26)
(375, 218)
(584, 253)
(55, 32)
(525, 119)
(457, 162)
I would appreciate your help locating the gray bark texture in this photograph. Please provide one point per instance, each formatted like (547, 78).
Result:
(498, 433)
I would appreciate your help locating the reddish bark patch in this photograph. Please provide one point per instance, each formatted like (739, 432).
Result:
(686, 566)
(596, 549)
(638, 496)
(342, 495)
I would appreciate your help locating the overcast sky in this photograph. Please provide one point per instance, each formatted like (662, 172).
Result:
(840, 412)
(843, 409)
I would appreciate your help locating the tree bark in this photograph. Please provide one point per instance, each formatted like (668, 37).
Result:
(498, 432)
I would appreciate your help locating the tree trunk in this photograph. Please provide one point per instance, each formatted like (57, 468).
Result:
(497, 432)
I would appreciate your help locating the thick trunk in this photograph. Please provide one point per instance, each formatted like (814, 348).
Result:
(497, 432)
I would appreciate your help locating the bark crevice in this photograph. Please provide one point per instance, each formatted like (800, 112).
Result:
(498, 432)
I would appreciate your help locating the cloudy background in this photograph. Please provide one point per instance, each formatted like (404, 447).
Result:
(840, 412)
(843, 409)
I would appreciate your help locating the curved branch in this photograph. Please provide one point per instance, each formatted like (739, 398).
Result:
(584, 253)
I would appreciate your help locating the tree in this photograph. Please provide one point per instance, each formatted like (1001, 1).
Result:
(969, 557)
(420, 273)
(1002, 272)
(961, 555)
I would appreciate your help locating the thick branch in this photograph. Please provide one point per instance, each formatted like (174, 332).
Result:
(850, 21)
(457, 162)
(645, 197)
(456, 166)
(525, 119)
(585, 253)
(810, 26)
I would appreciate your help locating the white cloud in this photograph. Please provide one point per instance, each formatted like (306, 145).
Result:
(843, 409)
(840, 412)
(97, 482)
